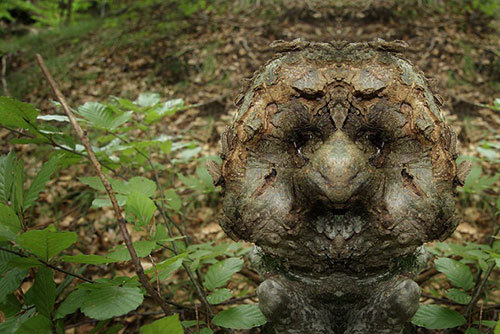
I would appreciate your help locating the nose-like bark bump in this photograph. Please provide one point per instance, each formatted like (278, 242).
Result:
(337, 170)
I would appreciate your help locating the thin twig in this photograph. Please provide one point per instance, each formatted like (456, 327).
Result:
(121, 221)
(47, 264)
(478, 290)
(53, 143)
(4, 71)
(199, 289)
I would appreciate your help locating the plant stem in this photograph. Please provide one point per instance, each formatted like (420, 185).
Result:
(47, 264)
(121, 221)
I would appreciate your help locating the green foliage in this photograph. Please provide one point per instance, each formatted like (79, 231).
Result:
(153, 203)
(437, 317)
(466, 265)
(240, 317)
(169, 324)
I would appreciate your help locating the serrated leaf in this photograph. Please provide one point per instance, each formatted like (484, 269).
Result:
(148, 99)
(92, 181)
(167, 267)
(11, 306)
(98, 114)
(170, 325)
(142, 185)
(119, 120)
(240, 317)
(218, 296)
(458, 296)
(87, 259)
(43, 292)
(10, 282)
(437, 317)
(7, 164)
(46, 243)
(140, 206)
(9, 223)
(142, 248)
(105, 302)
(458, 273)
(105, 201)
(174, 201)
(24, 262)
(17, 188)
(71, 303)
(16, 114)
(205, 178)
(39, 181)
(219, 273)
(11, 325)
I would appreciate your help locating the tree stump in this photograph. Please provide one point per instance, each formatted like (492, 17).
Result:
(338, 166)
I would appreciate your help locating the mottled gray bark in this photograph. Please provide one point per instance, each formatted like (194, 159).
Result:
(338, 166)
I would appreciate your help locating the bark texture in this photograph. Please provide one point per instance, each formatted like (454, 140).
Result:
(338, 166)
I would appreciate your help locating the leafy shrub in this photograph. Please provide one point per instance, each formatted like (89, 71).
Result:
(119, 131)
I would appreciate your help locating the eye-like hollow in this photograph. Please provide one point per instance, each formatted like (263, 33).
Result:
(376, 139)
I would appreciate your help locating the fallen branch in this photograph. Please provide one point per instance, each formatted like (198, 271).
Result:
(121, 221)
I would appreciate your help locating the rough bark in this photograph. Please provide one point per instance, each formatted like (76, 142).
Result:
(338, 166)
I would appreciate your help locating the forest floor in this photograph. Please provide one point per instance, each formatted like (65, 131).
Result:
(207, 57)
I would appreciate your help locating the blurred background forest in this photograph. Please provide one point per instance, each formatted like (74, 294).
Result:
(172, 69)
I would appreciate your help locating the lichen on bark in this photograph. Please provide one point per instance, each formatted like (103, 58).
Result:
(338, 164)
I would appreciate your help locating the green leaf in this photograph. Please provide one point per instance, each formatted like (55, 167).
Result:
(111, 301)
(92, 181)
(174, 202)
(141, 207)
(497, 328)
(11, 306)
(167, 267)
(11, 325)
(7, 165)
(38, 324)
(458, 296)
(142, 248)
(142, 185)
(87, 259)
(10, 282)
(9, 223)
(16, 114)
(24, 262)
(39, 181)
(458, 273)
(105, 201)
(205, 178)
(43, 292)
(46, 243)
(240, 317)
(170, 325)
(148, 99)
(17, 188)
(57, 118)
(218, 296)
(119, 120)
(98, 114)
(218, 274)
(71, 303)
(437, 317)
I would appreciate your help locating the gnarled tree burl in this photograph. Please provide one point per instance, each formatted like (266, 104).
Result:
(338, 166)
